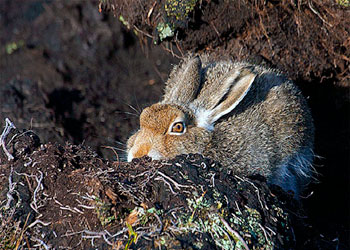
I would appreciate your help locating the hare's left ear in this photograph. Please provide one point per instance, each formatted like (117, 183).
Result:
(234, 87)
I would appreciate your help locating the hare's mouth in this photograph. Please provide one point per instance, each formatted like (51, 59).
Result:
(154, 154)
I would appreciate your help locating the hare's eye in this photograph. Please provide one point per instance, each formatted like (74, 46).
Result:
(178, 127)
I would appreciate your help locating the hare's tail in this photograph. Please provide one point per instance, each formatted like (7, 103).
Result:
(295, 172)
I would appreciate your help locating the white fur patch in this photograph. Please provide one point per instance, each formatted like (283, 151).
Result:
(130, 156)
(154, 154)
(202, 118)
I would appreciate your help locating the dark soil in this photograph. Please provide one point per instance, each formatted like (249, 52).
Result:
(307, 39)
(70, 73)
(68, 197)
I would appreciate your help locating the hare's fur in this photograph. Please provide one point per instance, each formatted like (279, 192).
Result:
(250, 118)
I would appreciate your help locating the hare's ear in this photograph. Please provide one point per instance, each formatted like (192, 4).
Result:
(233, 88)
(238, 91)
(183, 84)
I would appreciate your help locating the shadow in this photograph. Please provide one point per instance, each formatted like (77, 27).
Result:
(328, 207)
(62, 101)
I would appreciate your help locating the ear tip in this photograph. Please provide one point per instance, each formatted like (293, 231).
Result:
(196, 60)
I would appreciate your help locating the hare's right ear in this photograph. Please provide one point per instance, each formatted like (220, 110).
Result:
(235, 87)
(183, 84)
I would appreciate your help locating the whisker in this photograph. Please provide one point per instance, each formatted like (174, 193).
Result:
(128, 113)
(130, 106)
(120, 149)
(120, 143)
(137, 103)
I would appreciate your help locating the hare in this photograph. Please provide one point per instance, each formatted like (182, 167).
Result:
(251, 119)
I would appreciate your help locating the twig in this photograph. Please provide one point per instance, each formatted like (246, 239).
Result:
(9, 125)
(318, 14)
(41, 243)
(169, 185)
(73, 210)
(104, 234)
(33, 204)
(177, 185)
(233, 232)
(212, 179)
(150, 12)
(265, 234)
(11, 190)
(159, 230)
(171, 51)
(39, 222)
(256, 190)
(143, 32)
(86, 207)
(273, 232)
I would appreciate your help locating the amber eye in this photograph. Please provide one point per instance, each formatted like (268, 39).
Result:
(178, 127)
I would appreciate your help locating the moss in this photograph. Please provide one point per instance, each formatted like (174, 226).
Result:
(13, 46)
(103, 211)
(179, 9)
(126, 23)
(176, 16)
(205, 218)
(344, 3)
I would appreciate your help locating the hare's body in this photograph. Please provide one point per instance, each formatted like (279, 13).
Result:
(251, 119)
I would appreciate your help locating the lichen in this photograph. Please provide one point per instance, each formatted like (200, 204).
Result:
(165, 30)
(175, 16)
(179, 9)
(344, 3)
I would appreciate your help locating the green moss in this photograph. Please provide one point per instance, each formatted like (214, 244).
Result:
(176, 15)
(254, 219)
(126, 23)
(12, 47)
(205, 218)
(344, 3)
(103, 211)
(179, 9)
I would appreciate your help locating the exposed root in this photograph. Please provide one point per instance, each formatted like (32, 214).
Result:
(9, 125)
(11, 191)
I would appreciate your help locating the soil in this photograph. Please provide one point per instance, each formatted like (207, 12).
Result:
(65, 196)
(70, 73)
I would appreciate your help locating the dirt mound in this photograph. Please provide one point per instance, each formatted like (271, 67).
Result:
(67, 197)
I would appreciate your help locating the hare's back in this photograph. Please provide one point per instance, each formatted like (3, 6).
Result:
(269, 129)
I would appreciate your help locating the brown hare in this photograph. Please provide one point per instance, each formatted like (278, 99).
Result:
(251, 119)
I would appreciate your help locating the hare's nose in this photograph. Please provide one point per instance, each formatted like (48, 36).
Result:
(139, 151)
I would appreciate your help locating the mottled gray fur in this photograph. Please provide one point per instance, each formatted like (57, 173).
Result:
(255, 120)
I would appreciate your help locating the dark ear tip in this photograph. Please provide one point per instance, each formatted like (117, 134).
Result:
(196, 60)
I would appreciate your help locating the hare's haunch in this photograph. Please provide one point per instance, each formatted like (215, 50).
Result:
(250, 118)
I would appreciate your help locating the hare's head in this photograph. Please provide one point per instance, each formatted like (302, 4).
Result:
(184, 121)
(166, 131)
